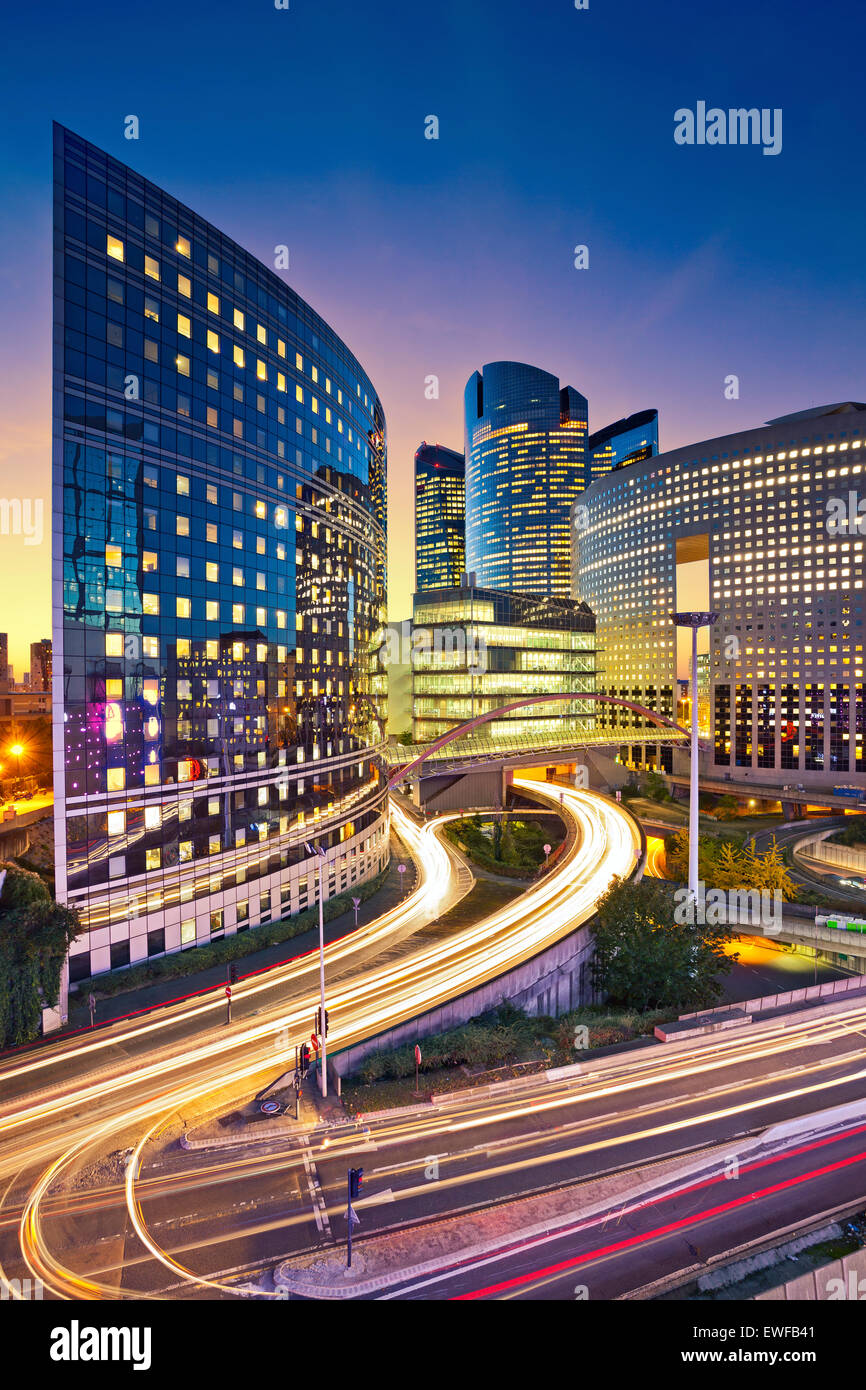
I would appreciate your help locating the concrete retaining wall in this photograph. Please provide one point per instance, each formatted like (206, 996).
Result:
(551, 983)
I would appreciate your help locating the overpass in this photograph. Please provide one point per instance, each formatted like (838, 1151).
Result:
(483, 762)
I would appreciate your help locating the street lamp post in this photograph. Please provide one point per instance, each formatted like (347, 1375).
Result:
(694, 621)
(16, 750)
(356, 903)
(323, 1084)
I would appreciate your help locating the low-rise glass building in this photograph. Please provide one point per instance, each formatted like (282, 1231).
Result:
(475, 649)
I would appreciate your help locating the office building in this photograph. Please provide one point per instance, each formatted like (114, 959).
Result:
(440, 517)
(475, 649)
(761, 527)
(625, 441)
(40, 664)
(525, 459)
(219, 480)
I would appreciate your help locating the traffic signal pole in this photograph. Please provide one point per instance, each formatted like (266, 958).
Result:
(349, 1221)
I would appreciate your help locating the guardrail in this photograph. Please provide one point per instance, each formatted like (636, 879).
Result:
(828, 990)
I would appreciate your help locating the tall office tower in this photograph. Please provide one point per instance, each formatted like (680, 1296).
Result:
(440, 517)
(525, 457)
(759, 528)
(624, 442)
(4, 660)
(40, 664)
(219, 515)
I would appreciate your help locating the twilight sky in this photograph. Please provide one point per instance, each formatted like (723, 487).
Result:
(306, 127)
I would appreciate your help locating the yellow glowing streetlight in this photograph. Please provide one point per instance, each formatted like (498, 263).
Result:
(16, 750)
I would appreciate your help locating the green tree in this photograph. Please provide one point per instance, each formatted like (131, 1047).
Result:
(35, 935)
(644, 959)
(655, 787)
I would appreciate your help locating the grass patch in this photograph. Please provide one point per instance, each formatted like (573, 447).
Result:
(507, 844)
(499, 1044)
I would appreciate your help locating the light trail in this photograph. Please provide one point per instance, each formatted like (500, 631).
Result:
(424, 903)
(378, 996)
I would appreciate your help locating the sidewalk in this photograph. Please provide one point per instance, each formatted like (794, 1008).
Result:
(163, 991)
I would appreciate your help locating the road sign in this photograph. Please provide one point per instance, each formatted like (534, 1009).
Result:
(228, 992)
(315, 1041)
(270, 1107)
(417, 1055)
(352, 1216)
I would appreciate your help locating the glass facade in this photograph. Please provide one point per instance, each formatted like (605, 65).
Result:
(476, 649)
(440, 517)
(219, 572)
(786, 657)
(624, 442)
(525, 459)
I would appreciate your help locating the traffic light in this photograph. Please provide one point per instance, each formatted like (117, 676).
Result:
(305, 1058)
(356, 1178)
(319, 1022)
(233, 974)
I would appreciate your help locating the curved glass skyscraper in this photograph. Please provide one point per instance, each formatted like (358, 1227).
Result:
(525, 456)
(219, 543)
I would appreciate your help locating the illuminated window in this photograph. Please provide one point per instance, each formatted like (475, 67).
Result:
(239, 356)
(211, 610)
(281, 382)
(114, 644)
(213, 341)
(182, 364)
(116, 822)
(115, 779)
(213, 303)
(183, 606)
(150, 604)
(151, 308)
(114, 690)
(261, 370)
(184, 326)
(182, 482)
(182, 246)
(114, 248)
(152, 858)
(151, 267)
(114, 556)
(212, 416)
(184, 286)
(212, 571)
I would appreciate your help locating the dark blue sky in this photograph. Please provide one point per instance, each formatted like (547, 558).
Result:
(306, 127)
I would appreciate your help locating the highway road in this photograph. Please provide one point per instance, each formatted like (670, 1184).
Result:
(198, 1224)
(96, 1090)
